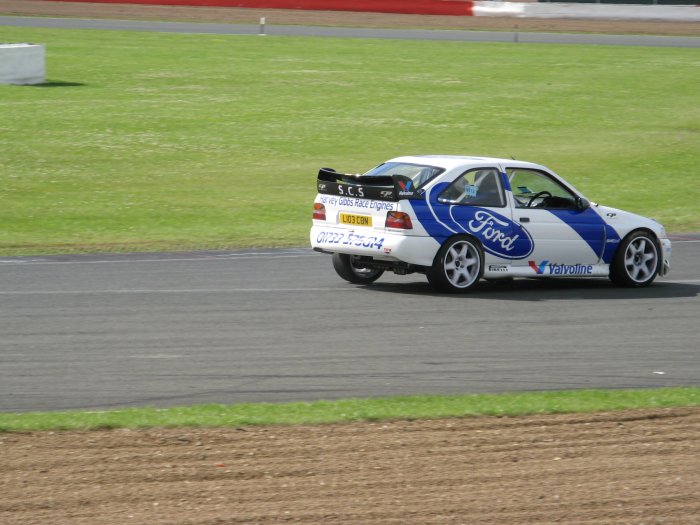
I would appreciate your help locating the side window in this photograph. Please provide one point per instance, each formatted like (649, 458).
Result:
(478, 187)
(533, 189)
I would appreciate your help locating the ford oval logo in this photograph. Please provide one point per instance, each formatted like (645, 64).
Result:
(499, 235)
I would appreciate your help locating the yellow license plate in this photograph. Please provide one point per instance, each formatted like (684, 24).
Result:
(355, 220)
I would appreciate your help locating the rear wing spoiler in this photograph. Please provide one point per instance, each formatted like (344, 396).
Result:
(381, 188)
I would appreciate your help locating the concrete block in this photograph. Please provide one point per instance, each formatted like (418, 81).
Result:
(22, 63)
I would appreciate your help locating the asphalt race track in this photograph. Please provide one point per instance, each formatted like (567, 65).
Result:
(347, 32)
(97, 331)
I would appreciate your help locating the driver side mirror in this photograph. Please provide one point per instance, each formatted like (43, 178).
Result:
(582, 204)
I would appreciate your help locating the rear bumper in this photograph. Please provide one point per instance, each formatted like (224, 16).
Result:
(380, 245)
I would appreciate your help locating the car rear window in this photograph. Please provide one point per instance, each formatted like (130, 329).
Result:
(418, 173)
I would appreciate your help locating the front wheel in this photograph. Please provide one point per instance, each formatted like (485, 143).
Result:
(458, 265)
(349, 268)
(636, 262)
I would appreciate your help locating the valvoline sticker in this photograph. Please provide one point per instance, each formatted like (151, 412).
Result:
(405, 188)
(498, 234)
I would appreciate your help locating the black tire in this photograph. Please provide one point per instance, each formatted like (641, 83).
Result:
(636, 262)
(458, 265)
(347, 267)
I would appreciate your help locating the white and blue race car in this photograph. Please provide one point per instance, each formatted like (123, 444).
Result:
(459, 219)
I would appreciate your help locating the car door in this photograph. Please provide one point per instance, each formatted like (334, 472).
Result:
(567, 237)
(475, 203)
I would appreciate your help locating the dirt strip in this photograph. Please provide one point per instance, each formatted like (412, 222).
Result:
(334, 18)
(634, 467)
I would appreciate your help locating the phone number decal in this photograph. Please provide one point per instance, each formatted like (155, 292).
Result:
(350, 239)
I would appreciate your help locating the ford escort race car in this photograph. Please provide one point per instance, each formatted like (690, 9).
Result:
(459, 219)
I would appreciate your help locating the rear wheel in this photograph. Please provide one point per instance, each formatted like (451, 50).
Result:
(636, 262)
(351, 269)
(458, 265)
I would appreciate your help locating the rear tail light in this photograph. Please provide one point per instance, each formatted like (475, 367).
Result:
(319, 212)
(399, 220)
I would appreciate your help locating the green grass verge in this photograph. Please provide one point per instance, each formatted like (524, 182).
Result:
(153, 141)
(410, 407)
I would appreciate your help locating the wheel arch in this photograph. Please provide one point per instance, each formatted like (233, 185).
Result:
(642, 229)
(462, 235)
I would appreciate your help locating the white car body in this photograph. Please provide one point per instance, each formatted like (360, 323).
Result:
(557, 235)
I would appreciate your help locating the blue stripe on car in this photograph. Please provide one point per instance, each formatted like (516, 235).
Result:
(589, 226)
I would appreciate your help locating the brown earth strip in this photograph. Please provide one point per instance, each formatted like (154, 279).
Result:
(633, 467)
(334, 18)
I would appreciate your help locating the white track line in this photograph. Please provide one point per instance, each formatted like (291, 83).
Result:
(208, 258)
(172, 291)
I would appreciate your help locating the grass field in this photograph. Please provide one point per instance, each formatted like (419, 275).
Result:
(149, 141)
(405, 407)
